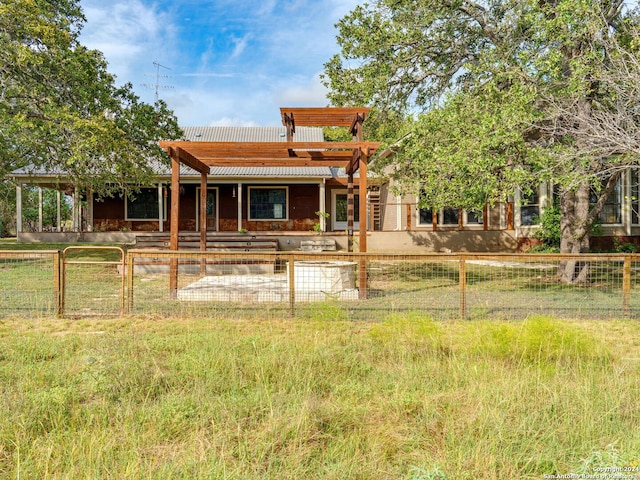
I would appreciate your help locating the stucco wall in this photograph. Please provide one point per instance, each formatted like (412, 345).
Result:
(464, 241)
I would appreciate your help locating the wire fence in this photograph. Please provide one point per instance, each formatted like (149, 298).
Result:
(30, 283)
(106, 281)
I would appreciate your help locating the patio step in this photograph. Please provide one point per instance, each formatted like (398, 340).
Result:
(219, 243)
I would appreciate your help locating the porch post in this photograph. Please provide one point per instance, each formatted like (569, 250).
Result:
(40, 209)
(18, 208)
(58, 211)
(323, 205)
(76, 210)
(160, 209)
(89, 210)
(239, 206)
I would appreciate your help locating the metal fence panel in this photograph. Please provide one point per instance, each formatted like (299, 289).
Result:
(93, 281)
(29, 283)
(314, 285)
(371, 286)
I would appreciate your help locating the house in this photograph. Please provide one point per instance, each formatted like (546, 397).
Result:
(272, 190)
(254, 182)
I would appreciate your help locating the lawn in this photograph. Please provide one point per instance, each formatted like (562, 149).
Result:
(404, 397)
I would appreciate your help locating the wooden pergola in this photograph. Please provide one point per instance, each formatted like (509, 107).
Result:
(353, 156)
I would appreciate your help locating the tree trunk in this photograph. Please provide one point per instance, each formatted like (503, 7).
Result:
(574, 234)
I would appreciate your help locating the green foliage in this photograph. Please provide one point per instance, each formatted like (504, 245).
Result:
(624, 247)
(540, 340)
(60, 108)
(548, 231)
(317, 227)
(484, 95)
(413, 326)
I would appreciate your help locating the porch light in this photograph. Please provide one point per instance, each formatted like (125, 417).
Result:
(233, 192)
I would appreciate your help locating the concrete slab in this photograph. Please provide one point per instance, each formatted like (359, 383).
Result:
(255, 288)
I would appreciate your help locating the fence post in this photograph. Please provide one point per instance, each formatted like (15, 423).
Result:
(626, 286)
(292, 289)
(56, 283)
(463, 288)
(63, 282)
(362, 278)
(129, 262)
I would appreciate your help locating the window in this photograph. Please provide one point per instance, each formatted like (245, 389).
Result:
(611, 213)
(473, 218)
(449, 217)
(143, 205)
(426, 216)
(268, 203)
(340, 210)
(530, 208)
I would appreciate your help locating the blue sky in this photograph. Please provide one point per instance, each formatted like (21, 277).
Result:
(232, 62)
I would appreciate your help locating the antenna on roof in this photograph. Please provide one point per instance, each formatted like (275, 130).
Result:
(157, 86)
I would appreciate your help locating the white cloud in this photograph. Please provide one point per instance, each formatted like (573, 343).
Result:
(232, 63)
(232, 122)
(240, 45)
(310, 93)
(130, 34)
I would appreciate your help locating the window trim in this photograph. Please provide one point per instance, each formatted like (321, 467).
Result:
(268, 187)
(620, 204)
(339, 225)
(440, 219)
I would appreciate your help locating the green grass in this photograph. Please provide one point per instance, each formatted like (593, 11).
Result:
(405, 397)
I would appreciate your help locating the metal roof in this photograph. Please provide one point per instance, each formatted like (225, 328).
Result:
(250, 134)
(231, 134)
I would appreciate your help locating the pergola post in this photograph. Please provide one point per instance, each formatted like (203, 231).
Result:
(362, 214)
(179, 155)
(39, 209)
(350, 212)
(203, 220)
(175, 222)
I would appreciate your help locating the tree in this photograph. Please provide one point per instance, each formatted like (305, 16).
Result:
(503, 94)
(60, 109)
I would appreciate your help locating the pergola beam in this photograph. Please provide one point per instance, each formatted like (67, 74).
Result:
(322, 116)
(191, 161)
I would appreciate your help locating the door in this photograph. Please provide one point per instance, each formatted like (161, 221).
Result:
(211, 210)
